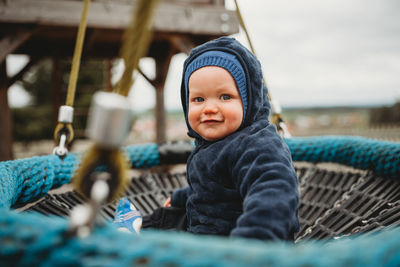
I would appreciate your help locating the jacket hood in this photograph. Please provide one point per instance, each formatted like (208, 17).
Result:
(258, 104)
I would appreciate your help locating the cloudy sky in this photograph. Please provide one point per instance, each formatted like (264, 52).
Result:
(314, 53)
(333, 52)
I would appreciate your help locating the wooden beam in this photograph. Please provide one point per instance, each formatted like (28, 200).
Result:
(6, 152)
(108, 74)
(11, 42)
(56, 81)
(91, 36)
(144, 75)
(32, 61)
(182, 44)
(169, 17)
(219, 2)
(162, 65)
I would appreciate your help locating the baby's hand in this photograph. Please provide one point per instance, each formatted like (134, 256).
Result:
(167, 203)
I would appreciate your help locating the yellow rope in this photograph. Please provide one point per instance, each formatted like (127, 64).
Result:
(135, 43)
(74, 74)
(243, 25)
(115, 162)
(277, 117)
(77, 55)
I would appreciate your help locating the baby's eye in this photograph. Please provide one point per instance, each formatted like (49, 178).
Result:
(225, 97)
(198, 99)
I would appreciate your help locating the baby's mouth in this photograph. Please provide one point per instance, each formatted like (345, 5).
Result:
(211, 121)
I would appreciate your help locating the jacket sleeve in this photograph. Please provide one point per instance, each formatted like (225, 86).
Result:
(179, 197)
(267, 182)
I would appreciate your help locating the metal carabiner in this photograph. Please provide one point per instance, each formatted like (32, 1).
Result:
(65, 117)
(284, 130)
(61, 149)
(281, 125)
(83, 217)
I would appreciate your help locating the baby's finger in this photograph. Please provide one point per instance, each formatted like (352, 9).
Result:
(167, 203)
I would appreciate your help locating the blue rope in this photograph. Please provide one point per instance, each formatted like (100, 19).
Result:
(33, 240)
(381, 157)
(23, 181)
(26, 180)
(143, 156)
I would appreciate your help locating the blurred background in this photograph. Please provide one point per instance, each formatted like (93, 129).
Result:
(333, 66)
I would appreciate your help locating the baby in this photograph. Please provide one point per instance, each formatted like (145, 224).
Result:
(241, 178)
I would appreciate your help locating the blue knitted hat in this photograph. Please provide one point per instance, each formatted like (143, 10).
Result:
(224, 60)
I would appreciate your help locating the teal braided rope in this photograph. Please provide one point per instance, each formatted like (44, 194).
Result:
(33, 240)
(26, 180)
(381, 157)
(23, 181)
(143, 156)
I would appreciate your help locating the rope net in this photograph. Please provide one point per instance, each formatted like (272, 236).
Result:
(335, 201)
(47, 242)
(30, 239)
(381, 157)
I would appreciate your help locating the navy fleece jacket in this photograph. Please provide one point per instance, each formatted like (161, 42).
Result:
(244, 184)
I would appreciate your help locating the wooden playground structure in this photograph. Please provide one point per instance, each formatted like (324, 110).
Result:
(43, 29)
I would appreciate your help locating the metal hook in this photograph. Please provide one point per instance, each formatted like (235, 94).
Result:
(284, 130)
(65, 116)
(61, 150)
(83, 217)
(277, 110)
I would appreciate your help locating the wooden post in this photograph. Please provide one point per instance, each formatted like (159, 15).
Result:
(6, 152)
(56, 88)
(9, 43)
(163, 60)
(108, 74)
(161, 136)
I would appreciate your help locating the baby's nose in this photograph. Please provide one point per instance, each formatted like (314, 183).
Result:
(210, 107)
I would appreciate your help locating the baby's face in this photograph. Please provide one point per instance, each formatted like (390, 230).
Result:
(215, 106)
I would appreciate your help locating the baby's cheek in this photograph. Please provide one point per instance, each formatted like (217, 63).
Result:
(192, 118)
(236, 114)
